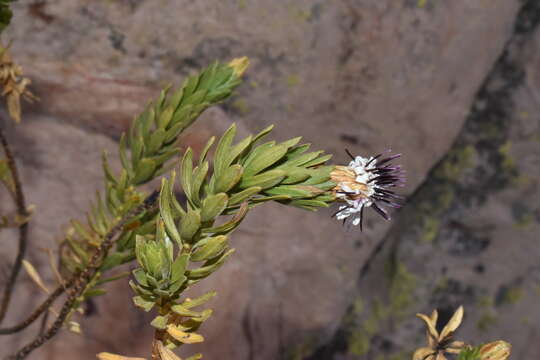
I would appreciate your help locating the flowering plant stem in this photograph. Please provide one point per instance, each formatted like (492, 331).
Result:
(22, 212)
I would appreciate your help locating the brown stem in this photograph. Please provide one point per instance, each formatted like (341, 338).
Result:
(23, 228)
(43, 325)
(83, 279)
(43, 307)
(159, 335)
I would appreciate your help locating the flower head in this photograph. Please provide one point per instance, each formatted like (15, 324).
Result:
(440, 343)
(366, 182)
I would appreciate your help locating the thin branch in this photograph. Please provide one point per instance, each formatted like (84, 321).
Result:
(83, 279)
(23, 228)
(43, 307)
(43, 325)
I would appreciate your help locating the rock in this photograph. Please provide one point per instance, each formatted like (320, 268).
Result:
(469, 234)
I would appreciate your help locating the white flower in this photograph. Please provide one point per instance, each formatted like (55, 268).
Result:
(364, 183)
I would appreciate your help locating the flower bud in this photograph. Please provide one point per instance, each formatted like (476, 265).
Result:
(239, 65)
(496, 350)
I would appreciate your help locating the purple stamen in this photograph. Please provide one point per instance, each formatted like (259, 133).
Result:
(380, 211)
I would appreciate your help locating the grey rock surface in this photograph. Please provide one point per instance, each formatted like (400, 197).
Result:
(362, 75)
(469, 235)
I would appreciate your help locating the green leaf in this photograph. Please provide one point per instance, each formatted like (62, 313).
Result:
(190, 224)
(165, 117)
(256, 151)
(291, 191)
(209, 267)
(292, 142)
(187, 171)
(166, 212)
(140, 276)
(318, 161)
(206, 77)
(230, 177)
(211, 248)
(190, 85)
(230, 225)
(197, 97)
(265, 180)
(156, 140)
(160, 322)
(270, 198)
(470, 353)
(191, 303)
(244, 194)
(263, 133)
(176, 207)
(182, 311)
(119, 276)
(93, 293)
(114, 260)
(223, 149)
(295, 175)
(309, 204)
(195, 322)
(123, 156)
(82, 232)
(199, 175)
(319, 176)
(143, 304)
(106, 169)
(145, 171)
(162, 158)
(179, 267)
(78, 250)
(175, 99)
(207, 147)
(300, 160)
(140, 243)
(137, 150)
(145, 293)
(264, 159)
(297, 151)
(237, 151)
(213, 205)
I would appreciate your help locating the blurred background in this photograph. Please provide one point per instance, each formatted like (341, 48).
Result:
(453, 85)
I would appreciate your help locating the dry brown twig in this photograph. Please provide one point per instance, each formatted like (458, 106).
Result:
(23, 228)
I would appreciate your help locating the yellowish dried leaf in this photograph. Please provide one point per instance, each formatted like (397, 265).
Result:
(434, 317)
(165, 353)
(14, 106)
(430, 324)
(52, 263)
(455, 347)
(31, 270)
(109, 356)
(424, 353)
(453, 324)
(184, 337)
